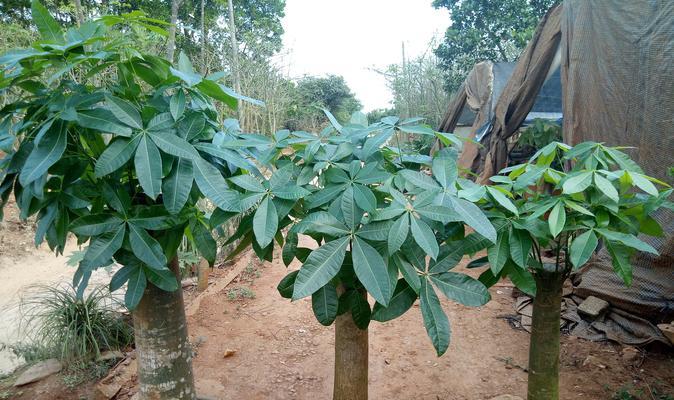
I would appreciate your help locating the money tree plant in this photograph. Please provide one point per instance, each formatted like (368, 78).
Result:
(552, 214)
(117, 147)
(366, 219)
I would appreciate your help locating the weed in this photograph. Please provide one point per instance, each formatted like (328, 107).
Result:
(240, 293)
(58, 323)
(628, 392)
(81, 372)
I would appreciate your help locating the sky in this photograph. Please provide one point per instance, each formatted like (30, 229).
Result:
(348, 37)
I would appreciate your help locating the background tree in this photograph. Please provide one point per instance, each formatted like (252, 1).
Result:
(315, 93)
(485, 30)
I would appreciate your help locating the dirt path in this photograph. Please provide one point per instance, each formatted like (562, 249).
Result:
(21, 266)
(283, 353)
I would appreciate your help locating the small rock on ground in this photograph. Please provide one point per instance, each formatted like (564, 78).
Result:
(39, 371)
(593, 307)
(668, 331)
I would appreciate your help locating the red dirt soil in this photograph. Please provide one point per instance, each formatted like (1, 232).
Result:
(280, 351)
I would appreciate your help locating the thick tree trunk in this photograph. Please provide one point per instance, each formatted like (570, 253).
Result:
(544, 342)
(351, 360)
(164, 353)
(171, 44)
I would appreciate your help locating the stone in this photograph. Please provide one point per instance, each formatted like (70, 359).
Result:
(506, 397)
(593, 307)
(668, 331)
(592, 361)
(228, 353)
(110, 355)
(39, 371)
(631, 355)
(108, 390)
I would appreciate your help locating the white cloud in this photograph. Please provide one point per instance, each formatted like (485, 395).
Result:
(348, 37)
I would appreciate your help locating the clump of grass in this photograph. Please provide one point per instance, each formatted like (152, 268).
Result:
(73, 329)
(240, 293)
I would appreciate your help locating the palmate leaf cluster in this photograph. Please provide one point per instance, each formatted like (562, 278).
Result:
(564, 205)
(384, 222)
(121, 162)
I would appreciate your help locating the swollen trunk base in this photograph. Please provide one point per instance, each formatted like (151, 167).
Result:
(544, 344)
(164, 354)
(351, 358)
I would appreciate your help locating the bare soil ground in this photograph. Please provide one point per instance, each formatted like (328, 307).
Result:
(253, 344)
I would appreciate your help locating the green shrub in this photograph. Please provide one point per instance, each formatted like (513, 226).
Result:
(59, 323)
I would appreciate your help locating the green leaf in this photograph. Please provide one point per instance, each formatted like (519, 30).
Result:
(290, 248)
(177, 185)
(498, 253)
(424, 237)
(371, 270)
(577, 183)
(402, 300)
(435, 319)
(606, 187)
(101, 119)
(352, 213)
(620, 259)
(321, 222)
(177, 104)
(420, 180)
(203, 239)
(285, 287)
(265, 222)
(146, 248)
(191, 126)
(398, 233)
(448, 257)
(474, 217)
(627, 240)
(173, 145)
(121, 277)
(364, 197)
(445, 171)
(291, 192)
(521, 278)
(409, 273)
(324, 303)
(124, 111)
(501, 199)
(117, 154)
(95, 224)
(520, 246)
(582, 248)
(164, 279)
(461, 288)
(148, 167)
(557, 219)
(321, 266)
(376, 231)
(213, 185)
(46, 24)
(44, 155)
(135, 289)
(360, 310)
(643, 183)
(103, 247)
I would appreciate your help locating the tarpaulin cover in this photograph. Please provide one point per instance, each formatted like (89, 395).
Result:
(618, 79)
(520, 93)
